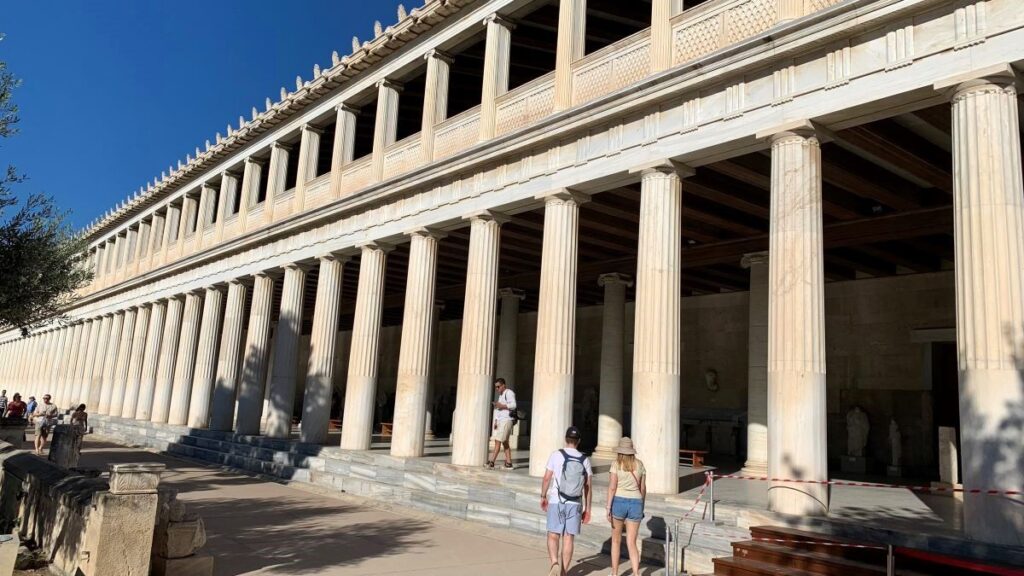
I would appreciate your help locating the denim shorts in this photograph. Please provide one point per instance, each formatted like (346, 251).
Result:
(631, 509)
(564, 517)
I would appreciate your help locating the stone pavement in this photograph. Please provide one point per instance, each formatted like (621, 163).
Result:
(260, 527)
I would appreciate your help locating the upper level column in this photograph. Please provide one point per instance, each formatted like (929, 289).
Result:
(309, 150)
(435, 99)
(277, 174)
(496, 66)
(662, 12)
(344, 144)
(989, 240)
(386, 130)
(572, 37)
(797, 446)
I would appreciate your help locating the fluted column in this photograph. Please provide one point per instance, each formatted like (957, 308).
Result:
(657, 336)
(286, 353)
(471, 422)
(416, 352)
(114, 345)
(309, 152)
(386, 130)
(56, 369)
(228, 192)
(119, 376)
(508, 335)
(361, 389)
(496, 65)
(197, 412)
(662, 12)
(254, 371)
(989, 233)
(86, 357)
(344, 144)
(613, 351)
(143, 401)
(572, 30)
(171, 405)
(428, 425)
(94, 370)
(797, 445)
(555, 358)
(252, 172)
(435, 99)
(316, 404)
(222, 405)
(277, 172)
(757, 366)
(137, 360)
(179, 328)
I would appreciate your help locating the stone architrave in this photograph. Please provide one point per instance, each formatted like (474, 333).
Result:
(797, 446)
(361, 389)
(316, 404)
(471, 421)
(416, 351)
(757, 365)
(286, 353)
(613, 346)
(989, 269)
(195, 407)
(229, 355)
(555, 359)
(657, 341)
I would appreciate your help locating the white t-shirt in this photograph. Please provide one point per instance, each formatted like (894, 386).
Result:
(508, 398)
(555, 462)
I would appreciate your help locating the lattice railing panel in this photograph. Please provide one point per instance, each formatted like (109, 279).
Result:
(750, 19)
(612, 68)
(525, 105)
(457, 133)
(696, 39)
(403, 156)
(358, 174)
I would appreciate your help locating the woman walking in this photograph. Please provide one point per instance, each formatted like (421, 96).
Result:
(627, 491)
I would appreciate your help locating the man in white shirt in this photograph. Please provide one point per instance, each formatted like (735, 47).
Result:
(501, 427)
(565, 496)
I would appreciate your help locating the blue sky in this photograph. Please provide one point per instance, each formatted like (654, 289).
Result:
(114, 91)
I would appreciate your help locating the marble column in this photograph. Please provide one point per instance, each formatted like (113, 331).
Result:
(136, 361)
(254, 371)
(252, 172)
(428, 425)
(172, 407)
(662, 43)
(613, 351)
(386, 130)
(416, 351)
(497, 58)
(114, 345)
(119, 376)
(797, 446)
(555, 364)
(222, 405)
(572, 30)
(94, 370)
(277, 172)
(472, 420)
(316, 404)
(757, 366)
(143, 400)
(197, 413)
(344, 144)
(657, 340)
(86, 356)
(56, 369)
(286, 352)
(435, 99)
(309, 152)
(177, 331)
(508, 335)
(989, 239)
(361, 388)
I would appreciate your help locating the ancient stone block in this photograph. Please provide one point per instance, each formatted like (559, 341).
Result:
(135, 478)
(199, 565)
(179, 539)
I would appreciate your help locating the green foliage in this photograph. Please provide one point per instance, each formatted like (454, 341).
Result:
(41, 259)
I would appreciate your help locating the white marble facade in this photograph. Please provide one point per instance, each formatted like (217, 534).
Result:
(143, 340)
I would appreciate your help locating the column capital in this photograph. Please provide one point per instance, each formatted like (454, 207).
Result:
(269, 273)
(754, 259)
(207, 186)
(254, 160)
(440, 55)
(613, 278)
(511, 293)
(304, 266)
(995, 76)
(563, 195)
(334, 257)
(282, 146)
(347, 109)
(428, 232)
(376, 245)
(488, 216)
(664, 166)
(307, 127)
(389, 83)
(803, 128)
(503, 21)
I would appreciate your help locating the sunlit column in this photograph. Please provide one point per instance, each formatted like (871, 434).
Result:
(119, 376)
(435, 99)
(143, 400)
(253, 380)
(200, 399)
(286, 352)
(497, 57)
(316, 404)
(572, 30)
(136, 361)
(386, 130)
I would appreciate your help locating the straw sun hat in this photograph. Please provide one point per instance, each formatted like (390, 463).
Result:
(625, 446)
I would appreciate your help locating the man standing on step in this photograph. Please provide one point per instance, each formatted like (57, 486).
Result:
(501, 425)
(565, 496)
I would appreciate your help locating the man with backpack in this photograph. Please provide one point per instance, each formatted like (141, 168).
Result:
(504, 420)
(565, 497)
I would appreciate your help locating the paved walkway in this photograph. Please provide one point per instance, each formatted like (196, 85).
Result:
(259, 527)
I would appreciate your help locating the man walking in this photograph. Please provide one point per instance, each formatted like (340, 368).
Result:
(565, 496)
(502, 422)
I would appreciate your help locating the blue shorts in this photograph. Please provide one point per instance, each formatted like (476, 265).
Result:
(565, 517)
(631, 509)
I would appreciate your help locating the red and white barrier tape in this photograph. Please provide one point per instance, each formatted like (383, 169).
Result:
(817, 543)
(987, 492)
(707, 482)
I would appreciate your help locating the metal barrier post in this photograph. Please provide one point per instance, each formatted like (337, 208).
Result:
(676, 568)
(890, 563)
(668, 549)
(711, 494)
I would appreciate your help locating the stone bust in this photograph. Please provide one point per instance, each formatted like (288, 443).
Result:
(857, 428)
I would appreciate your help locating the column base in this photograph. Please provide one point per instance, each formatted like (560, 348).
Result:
(754, 469)
(605, 453)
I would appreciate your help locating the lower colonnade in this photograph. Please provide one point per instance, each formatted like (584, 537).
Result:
(228, 356)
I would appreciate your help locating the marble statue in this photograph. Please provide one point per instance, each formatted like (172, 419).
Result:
(857, 428)
(895, 442)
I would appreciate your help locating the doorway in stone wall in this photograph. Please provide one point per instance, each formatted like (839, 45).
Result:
(945, 396)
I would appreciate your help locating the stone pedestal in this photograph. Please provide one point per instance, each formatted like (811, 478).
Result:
(66, 446)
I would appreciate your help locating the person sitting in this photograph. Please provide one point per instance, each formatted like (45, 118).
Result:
(16, 408)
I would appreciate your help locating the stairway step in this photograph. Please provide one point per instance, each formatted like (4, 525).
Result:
(824, 563)
(731, 566)
(816, 542)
